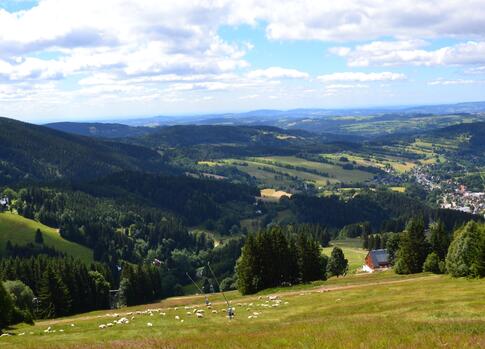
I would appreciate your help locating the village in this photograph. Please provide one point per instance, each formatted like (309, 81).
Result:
(454, 195)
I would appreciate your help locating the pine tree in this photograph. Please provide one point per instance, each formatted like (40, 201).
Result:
(413, 248)
(365, 238)
(337, 264)
(39, 239)
(309, 259)
(248, 280)
(439, 239)
(54, 296)
(377, 242)
(465, 255)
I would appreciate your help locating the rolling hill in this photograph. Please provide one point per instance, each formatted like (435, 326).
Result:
(21, 231)
(101, 130)
(36, 153)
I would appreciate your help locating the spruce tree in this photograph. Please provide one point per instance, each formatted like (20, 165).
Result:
(465, 255)
(248, 279)
(54, 296)
(365, 242)
(337, 264)
(439, 239)
(413, 248)
(39, 239)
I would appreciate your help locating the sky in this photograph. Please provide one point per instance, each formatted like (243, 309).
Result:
(114, 59)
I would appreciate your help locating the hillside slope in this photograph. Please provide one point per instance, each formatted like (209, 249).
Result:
(412, 311)
(101, 130)
(31, 152)
(21, 231)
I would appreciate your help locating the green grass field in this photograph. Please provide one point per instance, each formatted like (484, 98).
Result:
(21, 231)
(380, 310)
(353, 251)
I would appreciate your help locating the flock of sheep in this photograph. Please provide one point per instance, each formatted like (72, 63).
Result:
(179, 314)
(191, 311)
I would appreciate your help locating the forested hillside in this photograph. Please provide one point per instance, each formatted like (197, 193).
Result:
(35, 153)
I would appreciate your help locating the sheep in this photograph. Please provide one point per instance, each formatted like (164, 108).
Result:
(163, 314)
(61, 330)
(214, 311)
(149, 324)
(5, 335)
(72, 325)
(199, 315)
(177, 317)
(109, 324)
(102, 326)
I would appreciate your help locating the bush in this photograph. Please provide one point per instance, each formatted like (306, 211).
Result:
(433, 264)
(228, 284)
(21, 294)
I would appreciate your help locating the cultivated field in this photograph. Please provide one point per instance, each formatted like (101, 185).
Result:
(21, 231)
(380, 310)
(278, 171)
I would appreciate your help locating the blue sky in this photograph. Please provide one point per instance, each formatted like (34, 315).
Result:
(69, 60)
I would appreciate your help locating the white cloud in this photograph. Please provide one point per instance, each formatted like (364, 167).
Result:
(277, 73)
(445, 82)
(362, 77)
(172, 52)
(367, 19)
(411, 52)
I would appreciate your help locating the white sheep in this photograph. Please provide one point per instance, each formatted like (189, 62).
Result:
(102, 326)
(149, 324)
(200, 315)
(177, 317)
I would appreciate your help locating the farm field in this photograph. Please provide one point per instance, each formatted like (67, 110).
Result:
(338, 313)
(265, 169)
(21, 231)
(380, 161)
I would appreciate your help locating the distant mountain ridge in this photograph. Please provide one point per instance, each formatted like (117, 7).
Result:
(266, 115)
(101, 130)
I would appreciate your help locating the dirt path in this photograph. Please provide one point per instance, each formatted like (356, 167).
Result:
(187, 300)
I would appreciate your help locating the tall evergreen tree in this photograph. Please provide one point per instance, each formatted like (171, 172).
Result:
(413, 248)
(54, 296)
(465, 255)
(439, 239)
(39, 239)
(337, 264)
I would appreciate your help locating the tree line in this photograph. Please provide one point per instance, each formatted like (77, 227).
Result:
(287, 255)
(417, 249)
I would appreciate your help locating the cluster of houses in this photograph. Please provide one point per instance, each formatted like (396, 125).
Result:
(466, 201)
(4, 202)
(455, 196)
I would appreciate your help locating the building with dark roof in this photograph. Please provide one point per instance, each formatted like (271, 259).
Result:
(376, 259)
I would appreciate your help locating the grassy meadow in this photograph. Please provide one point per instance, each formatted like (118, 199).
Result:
(380, 310)
(21, 231)
(353, 251)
